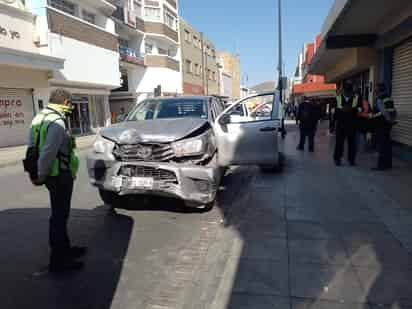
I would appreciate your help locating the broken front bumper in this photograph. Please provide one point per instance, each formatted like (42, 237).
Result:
(191, 183)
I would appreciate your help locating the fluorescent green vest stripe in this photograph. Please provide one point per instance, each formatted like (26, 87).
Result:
(40, 126)
(339, 100)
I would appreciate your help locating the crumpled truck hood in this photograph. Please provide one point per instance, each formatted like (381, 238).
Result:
(152, 131)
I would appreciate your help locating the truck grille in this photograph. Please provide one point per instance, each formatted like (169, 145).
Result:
(146, 171)
(144, 152)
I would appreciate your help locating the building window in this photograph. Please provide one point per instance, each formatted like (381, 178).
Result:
(89, 17)
(138, 8)
(214, 76)
(187, 35)
(65, 6)
(170, 20)
(209, 74)
(162, 51)
(152, 13)
(213, 53)
(123, 43)
(148, 48)
(197, 69)
(189, 68)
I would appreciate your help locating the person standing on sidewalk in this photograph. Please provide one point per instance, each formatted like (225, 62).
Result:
(308, 118)
(384, 118)
(57, 167)
(363, 121)
(347, 108)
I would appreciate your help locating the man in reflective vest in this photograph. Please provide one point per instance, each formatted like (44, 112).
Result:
(384, 118)
(57, 167)
(346, 113)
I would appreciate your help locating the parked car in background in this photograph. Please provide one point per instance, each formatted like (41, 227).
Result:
(178, 147)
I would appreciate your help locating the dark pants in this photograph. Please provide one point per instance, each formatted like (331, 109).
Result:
(307, 133)
(60, 189)
(384, 142)
(342, 135)
(332, 122)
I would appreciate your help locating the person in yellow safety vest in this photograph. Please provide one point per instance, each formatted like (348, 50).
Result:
(384, 118)
(347, 108)
(57, 166)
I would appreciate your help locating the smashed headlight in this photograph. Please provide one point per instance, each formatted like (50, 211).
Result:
(191, 147)
(103, 145)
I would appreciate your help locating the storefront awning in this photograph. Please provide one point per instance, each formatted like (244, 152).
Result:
(355, 24)
(13, 57)
(315, 89)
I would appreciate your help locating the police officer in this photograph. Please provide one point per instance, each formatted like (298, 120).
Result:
(347, 108)
(57, 166)
(383, 118)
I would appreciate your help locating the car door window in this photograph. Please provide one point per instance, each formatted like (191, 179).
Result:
(215, 108)
(256, 108)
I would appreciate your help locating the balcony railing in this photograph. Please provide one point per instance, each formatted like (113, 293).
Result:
(131, 56)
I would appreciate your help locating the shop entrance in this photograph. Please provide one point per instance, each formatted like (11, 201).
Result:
(79, 120)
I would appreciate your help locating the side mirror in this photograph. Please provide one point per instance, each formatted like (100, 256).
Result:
(224, 119)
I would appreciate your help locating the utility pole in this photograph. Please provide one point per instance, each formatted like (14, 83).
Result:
(207, 72)
(280, 65)
(203, 62)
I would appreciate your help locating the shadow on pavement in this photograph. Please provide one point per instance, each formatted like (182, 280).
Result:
(307, 239)
(24, 280)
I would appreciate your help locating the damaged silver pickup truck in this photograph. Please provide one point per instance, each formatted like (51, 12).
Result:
(179, 147)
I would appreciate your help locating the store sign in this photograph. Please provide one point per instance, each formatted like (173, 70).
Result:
(12, 112)
(4, 32)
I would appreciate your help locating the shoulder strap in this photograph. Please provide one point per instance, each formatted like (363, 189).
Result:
(41, 125)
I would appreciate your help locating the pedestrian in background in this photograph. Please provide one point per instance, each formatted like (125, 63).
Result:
(384, 118)
(363, 120)
(347, 108)
(308, 117)
(56, 167)
(332, 119)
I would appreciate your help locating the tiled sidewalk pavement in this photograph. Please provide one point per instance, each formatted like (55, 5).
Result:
(317, 236)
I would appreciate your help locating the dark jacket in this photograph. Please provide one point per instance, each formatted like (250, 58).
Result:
(308, 115)
(347, 116)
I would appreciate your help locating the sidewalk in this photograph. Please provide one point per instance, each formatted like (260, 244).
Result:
(14, 155)
(318, 236)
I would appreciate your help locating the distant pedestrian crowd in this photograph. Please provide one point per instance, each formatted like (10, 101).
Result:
(351, 118)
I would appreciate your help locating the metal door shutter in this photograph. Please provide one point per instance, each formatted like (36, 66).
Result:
(16, 113)
(402, 92)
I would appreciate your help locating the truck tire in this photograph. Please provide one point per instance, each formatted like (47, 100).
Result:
(200, 208)
(110, 198)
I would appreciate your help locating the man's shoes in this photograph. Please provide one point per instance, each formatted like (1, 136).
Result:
(300, 148)
(66, 265)
(352, 163)
(311, 150)
(338, 163)
(77, 252)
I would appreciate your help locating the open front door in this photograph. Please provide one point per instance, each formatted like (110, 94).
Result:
(251, 139)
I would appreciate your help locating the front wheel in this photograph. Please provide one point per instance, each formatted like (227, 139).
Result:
(110, 198)
(198, 207)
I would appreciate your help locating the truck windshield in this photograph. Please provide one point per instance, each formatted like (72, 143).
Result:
(163, 109)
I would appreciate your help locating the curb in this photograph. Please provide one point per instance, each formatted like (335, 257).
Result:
(19, 161)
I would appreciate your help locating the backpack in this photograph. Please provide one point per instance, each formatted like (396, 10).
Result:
(30, 162)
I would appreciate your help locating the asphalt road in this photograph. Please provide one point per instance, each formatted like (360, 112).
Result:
(151, 256)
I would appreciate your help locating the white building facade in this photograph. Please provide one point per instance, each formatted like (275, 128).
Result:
(149, 51)
(82, 33)
(24, 73)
